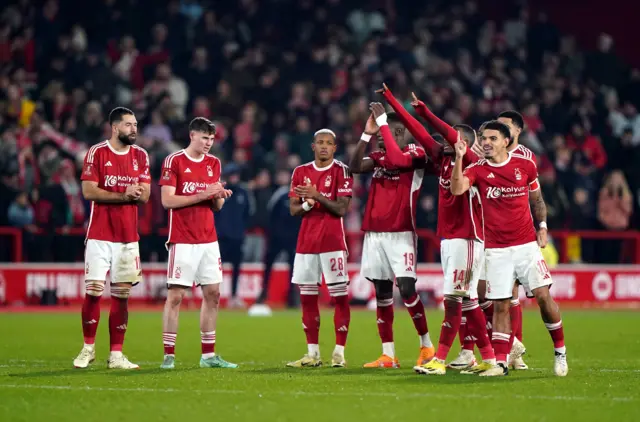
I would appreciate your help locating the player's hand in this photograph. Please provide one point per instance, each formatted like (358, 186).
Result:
(383, 89)
(461, 147)
(477, 148)
(377, 109)
(311, 202)
(211, 191)
(226, 193)
(371, 128)
(541, 236)
(133, 192)
(307, 192)
(415, 102)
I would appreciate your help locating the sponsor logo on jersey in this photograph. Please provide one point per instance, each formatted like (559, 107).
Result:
(135, 164)
(87, 170)
(188, 170)
(112, 180)
(491, 176)
(327, 181)
(445, 183)
(345, 188)
(495, 192)
(166, 175)
(108, 164)
(193, 187)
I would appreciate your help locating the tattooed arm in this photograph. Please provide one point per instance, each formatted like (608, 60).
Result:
(539, 212)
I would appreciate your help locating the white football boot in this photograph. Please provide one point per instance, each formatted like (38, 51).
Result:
(87, 356)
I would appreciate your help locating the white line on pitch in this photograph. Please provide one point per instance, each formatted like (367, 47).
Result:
(316, 393)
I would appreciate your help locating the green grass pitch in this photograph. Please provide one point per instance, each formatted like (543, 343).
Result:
(38, 382)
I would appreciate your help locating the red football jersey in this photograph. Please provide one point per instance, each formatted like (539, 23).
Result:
(504, 192)
(393, 194)
(193, 224)
(321, 231)
(524, 151)
(459, 217)
(114, 171)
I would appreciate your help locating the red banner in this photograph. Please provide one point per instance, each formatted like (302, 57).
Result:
(25, 283)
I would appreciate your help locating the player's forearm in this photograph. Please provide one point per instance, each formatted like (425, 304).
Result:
(171, 202)
(355, 164)
(538, 208)
(337, 208)
(414, 127)
(449, 133)
(296, 209)
(394, 153)
(96, 194)
(458, 185)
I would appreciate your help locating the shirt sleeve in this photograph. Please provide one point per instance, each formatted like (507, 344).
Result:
(534, 184)
(375, 156)
(145, 175)
(169, 176)
(418, 155)
(90, 171)
(295, 181)
(471, 173)
(345, 182)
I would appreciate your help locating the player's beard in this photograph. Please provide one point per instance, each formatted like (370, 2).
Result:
(127, 139)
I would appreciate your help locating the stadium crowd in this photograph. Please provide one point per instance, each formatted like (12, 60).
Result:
(270, 73)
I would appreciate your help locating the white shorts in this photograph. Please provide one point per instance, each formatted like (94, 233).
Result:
(386, 256)
(462, 262)
(309, 268)
(522, 262)
(120, 260)
(191, 264)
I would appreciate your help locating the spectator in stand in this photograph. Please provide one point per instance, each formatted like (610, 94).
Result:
(615, 206)
(232, 222)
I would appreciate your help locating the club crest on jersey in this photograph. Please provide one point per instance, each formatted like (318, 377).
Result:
(307, 181)
(327, 181)
(209, 171)
(135, 164)
(518, 175)
(177, 273)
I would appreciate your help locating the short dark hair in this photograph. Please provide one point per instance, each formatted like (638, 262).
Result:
(438, 138)
(467, 132)
(500, 127)
(515, 117)
(118, 113)
(202, 124)
(392, 117)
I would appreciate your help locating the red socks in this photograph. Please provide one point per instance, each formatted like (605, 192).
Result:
(477, 329)
(557, 335)
(90, 318)
(169, 343)
(118, 318)
(341, 319)
(310, 312)
(208, 342)
(501, 346)
(416, 310)
(384, 314)
(487, 308)
(450, 326)
(515, 313)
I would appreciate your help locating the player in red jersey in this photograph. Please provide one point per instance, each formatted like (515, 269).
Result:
(115, 178)
(515, 123)
(461, 228)
(389, 250)
(191, 191)
(320, 193)
(505, 182)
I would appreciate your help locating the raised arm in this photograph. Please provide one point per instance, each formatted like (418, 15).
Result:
(395, 155)
(449, 133)
(414, 127)
(460, 182)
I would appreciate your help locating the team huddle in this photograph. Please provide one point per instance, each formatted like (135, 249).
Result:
(489, 197)
(488, 191)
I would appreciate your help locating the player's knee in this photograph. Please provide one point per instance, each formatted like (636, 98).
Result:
(337, 289)
(121, 291)
(384, 289)
(174, 296)
(211, 295)
(407, 287)
(542, 295)
(501, 306)
(94, 288)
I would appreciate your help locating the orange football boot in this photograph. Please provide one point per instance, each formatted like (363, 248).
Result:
(426, 354)
(383, 361)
